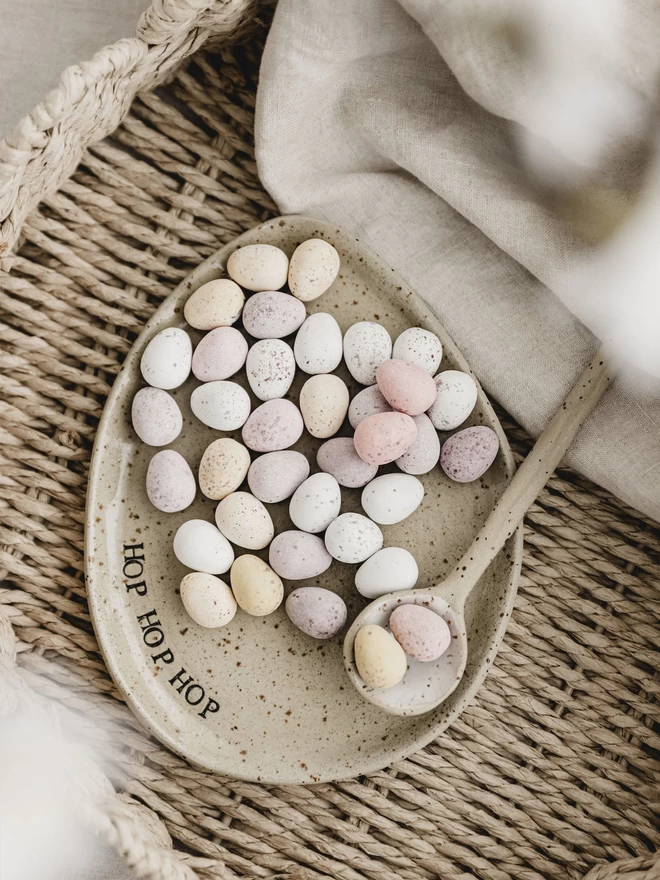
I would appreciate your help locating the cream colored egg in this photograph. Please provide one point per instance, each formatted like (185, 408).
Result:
(313, 267)
(223, 468)
(270, 368)
(259, 267)
(379, 658)
(207, 599)
(244, 521)
(324, 403)
(257, 589)
(217, 303)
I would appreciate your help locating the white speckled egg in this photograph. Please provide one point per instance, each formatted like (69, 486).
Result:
(315, 503)
(318, 613)
(223, 467)
(420, 347)
(352, 538)
(422, 633)
(272, 315)
(379, 658)
(313, 268)
(296, 555)
(318, 345)
(244, 521)
(424, 454)
(276, 475)
(455, 400)
(270, 367)
(257, 589)
(207, 599)
(170, 482)
(166, 360)
(324, 404)
(259, 267)
(215, 304)
(200, 546)
(274, 425)
(156, 417)
(387, 571)
(219, 355)
(368, 402)
(339, 458)
(224, 406)
(366, 346)
(392, 497)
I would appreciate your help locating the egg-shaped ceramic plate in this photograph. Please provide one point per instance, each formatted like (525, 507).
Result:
(258, 699)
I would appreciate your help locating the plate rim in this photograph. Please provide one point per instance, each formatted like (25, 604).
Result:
(95, 592)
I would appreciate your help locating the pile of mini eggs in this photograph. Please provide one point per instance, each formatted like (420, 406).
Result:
(395, 418)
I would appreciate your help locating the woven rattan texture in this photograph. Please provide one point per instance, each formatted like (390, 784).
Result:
(553, 773)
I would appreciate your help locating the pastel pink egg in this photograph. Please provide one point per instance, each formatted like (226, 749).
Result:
(469, 453)
(406, 387)
(276, 424)
(219, 355)
(422, 633)
(384, 437)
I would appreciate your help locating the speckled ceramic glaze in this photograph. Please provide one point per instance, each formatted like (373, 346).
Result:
(257, 699)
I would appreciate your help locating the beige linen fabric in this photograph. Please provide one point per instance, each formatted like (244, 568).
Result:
(392, 119)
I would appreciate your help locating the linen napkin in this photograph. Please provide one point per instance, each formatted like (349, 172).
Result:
(393, 120)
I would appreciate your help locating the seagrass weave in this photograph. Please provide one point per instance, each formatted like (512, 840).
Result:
(554, 772)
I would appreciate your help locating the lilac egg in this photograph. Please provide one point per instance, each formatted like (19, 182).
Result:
(316, 612)
(368, 402)
(423, 455)
(276, 475)
(219, 355)
(422, 633)
(469, 453)
(273, 314)
(298, 555)
(276, 424)
(339, 458)
(170, 482)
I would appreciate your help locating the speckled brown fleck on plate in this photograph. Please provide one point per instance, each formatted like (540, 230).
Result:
(257, 699)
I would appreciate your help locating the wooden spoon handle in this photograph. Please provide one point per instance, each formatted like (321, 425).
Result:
(531, 476)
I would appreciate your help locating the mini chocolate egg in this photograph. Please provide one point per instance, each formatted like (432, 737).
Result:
(200, 546)
(422, 633)
(420, 347)
(315, 503)
(274, 425)
(324, 404)
(384, 437)
(244, 521)
(318, 345)
(297, 556)
(223, 467)
(379, 658)
(366, 346)
(215, 304)
(313, 268)
(219, 354)
(424, 454)
(270, 368)
(392, 498)
(469, 453)
(406, 387)
(272, 315)
(339, 458)
(352, 538)
(455, 400)
(257, 589)
(207, 599)
(156, 417)
(165, 362)
(258, 267)
(318, 613)
(221, 405)
(276, 475)
(170, 482)
(387, 571)
(368, 402)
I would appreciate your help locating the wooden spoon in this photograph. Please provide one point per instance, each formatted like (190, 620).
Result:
(426, 685)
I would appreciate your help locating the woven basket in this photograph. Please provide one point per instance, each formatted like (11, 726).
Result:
(137, 167)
